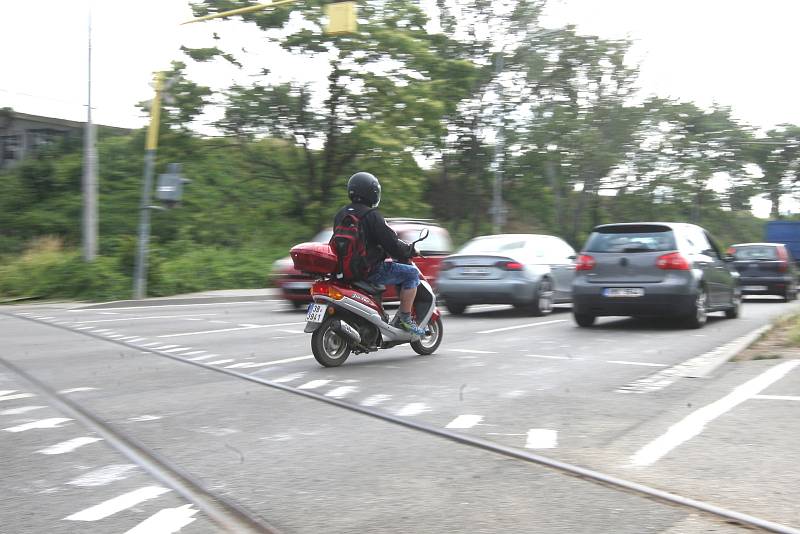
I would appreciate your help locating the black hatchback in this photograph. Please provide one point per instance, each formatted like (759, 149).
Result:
(765, 269)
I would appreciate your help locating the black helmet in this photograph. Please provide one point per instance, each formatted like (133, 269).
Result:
(364, 188)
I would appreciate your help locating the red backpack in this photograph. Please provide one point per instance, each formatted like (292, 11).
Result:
(349, 243)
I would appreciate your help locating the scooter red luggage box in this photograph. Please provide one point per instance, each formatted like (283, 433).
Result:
(316, 258)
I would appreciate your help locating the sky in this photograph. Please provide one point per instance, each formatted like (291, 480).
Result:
(737, 53)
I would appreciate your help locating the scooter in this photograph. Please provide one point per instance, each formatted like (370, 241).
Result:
(349, 317)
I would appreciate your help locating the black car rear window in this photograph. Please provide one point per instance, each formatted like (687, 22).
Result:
(631, 239)
(756, 252)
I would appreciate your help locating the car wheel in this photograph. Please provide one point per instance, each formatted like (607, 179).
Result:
(584, 319)
(790, 294)
(699, 314)
(455, 308)
(736, 306)
(543, 300)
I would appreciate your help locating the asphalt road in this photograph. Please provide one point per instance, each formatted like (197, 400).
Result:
(630, 398)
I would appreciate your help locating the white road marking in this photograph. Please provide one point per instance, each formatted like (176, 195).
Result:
(286, 360)
(241, 365)
(218, 362)
(493, 330)
(76, 390)
(104, 475)
(23, 409)
(546, 357)
(541, 438)
(179, 349)
(117, 504)
(103, 331)
(201, 358)
(777, 397)
(17, 396)
(54, 422)
(116, 336)
(144, 418)
(215, 321)
(138, 339)
(193, 353)
(694, 423)
(465, 421)
(415, 408)
(471, 351)
(166, 521)
(313, 384)
(68, 446)
(252, 327)
(289, 378)
(514, 394)
(142, 318)
(169, 306)
(645, 364)
(152, 344)
(292, 331)
(341, 392)
(374, 400)
(7, 392)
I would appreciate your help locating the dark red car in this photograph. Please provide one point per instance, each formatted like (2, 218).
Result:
(295, 286)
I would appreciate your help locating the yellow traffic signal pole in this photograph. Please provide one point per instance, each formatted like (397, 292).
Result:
(151, 144)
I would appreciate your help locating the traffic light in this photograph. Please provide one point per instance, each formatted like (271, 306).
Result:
(341, 18)
(170, 185)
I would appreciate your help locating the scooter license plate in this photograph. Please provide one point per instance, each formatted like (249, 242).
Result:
(316, 312)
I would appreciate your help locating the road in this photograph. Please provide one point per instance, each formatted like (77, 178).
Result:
(632, 399)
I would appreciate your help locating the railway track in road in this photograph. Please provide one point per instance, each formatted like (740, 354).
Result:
(224, 510)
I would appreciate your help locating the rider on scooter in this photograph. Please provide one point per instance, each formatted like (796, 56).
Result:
(364, 191)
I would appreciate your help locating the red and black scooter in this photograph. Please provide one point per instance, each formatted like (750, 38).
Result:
(349, 317)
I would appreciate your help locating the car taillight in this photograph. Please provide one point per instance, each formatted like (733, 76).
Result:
(510, 265)
(783, 266)
(585, 263)
(674, 261)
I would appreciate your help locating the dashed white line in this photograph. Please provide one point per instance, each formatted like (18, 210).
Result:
(193, 353)
(465, 421)
(21, 410)
(285, 360)
(289, 378)
(166, 521)
(546, 357)
(341, 392)
(218, 362)
(76, 390)
(17, 396)
(777, 397)
(201, 358)
(473, 351)
(179, 349)
(251, 327)
(54, 422)
(541, 438)
(68, 446)
(415, 408)
(103, 476)
(507, 328)
(142, 318)
(694, 423)
(313, 384)
(644, 364)
(375, 400)
(117, 504)
(7, 392)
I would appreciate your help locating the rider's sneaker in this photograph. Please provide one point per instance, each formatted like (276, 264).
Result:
(407, 323)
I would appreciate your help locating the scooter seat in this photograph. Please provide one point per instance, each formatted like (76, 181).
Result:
(372, 289)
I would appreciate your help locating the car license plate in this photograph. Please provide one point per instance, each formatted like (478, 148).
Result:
(474, 271)
(316, 313)
(623, 292)
(754, 288)
(298, 285)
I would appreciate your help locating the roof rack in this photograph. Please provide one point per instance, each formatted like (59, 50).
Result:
(430, 222)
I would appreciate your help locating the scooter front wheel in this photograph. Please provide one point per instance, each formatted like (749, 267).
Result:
(428, 343)
(330, 349)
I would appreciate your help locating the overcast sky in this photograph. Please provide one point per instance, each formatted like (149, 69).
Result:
(738, 53)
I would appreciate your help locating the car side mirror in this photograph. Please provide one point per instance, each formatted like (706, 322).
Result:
(423, 234)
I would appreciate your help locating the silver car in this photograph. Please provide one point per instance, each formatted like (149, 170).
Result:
(530, 271)
(654, 269)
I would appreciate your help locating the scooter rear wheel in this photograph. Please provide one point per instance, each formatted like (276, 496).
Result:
(330, 349)
(429, 343)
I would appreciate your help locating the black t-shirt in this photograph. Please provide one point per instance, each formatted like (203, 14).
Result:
(382, 241)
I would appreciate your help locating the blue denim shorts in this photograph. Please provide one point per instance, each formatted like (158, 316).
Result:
(391, 273)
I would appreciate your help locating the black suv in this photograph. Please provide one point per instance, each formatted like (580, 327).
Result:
(765, 269)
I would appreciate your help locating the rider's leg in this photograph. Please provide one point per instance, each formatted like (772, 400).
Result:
(407, 299)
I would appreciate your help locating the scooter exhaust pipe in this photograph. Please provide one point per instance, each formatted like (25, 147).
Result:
(347, 331)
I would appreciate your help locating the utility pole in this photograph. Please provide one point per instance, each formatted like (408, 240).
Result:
(140, 272)
(89, 181)
(498, 213)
